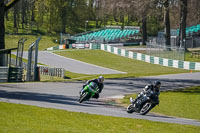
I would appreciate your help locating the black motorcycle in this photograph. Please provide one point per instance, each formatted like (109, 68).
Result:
(144, 103)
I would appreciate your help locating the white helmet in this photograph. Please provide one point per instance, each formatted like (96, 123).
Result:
(101, 79)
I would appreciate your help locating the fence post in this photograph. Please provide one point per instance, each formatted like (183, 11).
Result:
(28, 75)
(63, 73)
(36, 60)
(37, 74)
(61, 39)
(32, 67)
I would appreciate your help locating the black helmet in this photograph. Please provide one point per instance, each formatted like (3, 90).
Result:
(157, 84)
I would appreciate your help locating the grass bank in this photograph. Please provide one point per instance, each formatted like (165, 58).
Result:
(188, 57)
(133, 68)
(11, 41)
(17, 118)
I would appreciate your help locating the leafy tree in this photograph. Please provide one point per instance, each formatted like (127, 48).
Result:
(3, 9)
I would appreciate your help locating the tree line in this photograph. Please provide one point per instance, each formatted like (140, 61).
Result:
(70, 16)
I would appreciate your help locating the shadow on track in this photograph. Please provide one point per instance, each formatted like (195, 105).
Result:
(40, 97)
(136, 84)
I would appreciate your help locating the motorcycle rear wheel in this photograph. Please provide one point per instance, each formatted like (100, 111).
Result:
(146, 108)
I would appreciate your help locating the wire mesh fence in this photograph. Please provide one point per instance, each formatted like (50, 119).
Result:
(20, 52)
(164, 51)
(63, 37)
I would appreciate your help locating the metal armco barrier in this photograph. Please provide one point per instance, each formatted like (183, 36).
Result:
(44, 70)
(4, 74)
(15, 74)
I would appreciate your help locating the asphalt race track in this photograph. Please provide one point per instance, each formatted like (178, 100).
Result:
(71, 65)
(65, 95)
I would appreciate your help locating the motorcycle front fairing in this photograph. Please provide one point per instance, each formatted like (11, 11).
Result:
(141, 101)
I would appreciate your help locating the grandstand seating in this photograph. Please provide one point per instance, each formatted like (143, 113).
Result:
(107, 34)
(191, 30)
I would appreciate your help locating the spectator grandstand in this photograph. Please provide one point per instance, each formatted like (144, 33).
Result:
(191, 30)
(107, 34)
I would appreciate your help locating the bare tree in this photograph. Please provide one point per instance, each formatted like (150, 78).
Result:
(140, 9)
(23, 12)
(16, 17)
(166, 5)
(144, 10)
(167, 22)
(193, 17)
(102, 11)
(183, 20)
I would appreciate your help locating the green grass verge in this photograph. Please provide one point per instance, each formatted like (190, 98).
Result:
(181, 103)
(69, 76)
(133, 68)
(188, 57)
(11, 41)
(135, 46)
(18, 118)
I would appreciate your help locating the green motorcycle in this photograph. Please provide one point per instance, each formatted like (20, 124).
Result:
(88, 91)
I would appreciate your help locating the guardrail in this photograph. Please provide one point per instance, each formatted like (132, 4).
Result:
(4, 74)
(15, 74)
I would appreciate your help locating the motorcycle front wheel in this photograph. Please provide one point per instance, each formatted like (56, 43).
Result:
(84, 97)
(146, 108)
(130, 109)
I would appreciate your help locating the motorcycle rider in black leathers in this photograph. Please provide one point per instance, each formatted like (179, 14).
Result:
(99, 82)
(153, 89)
